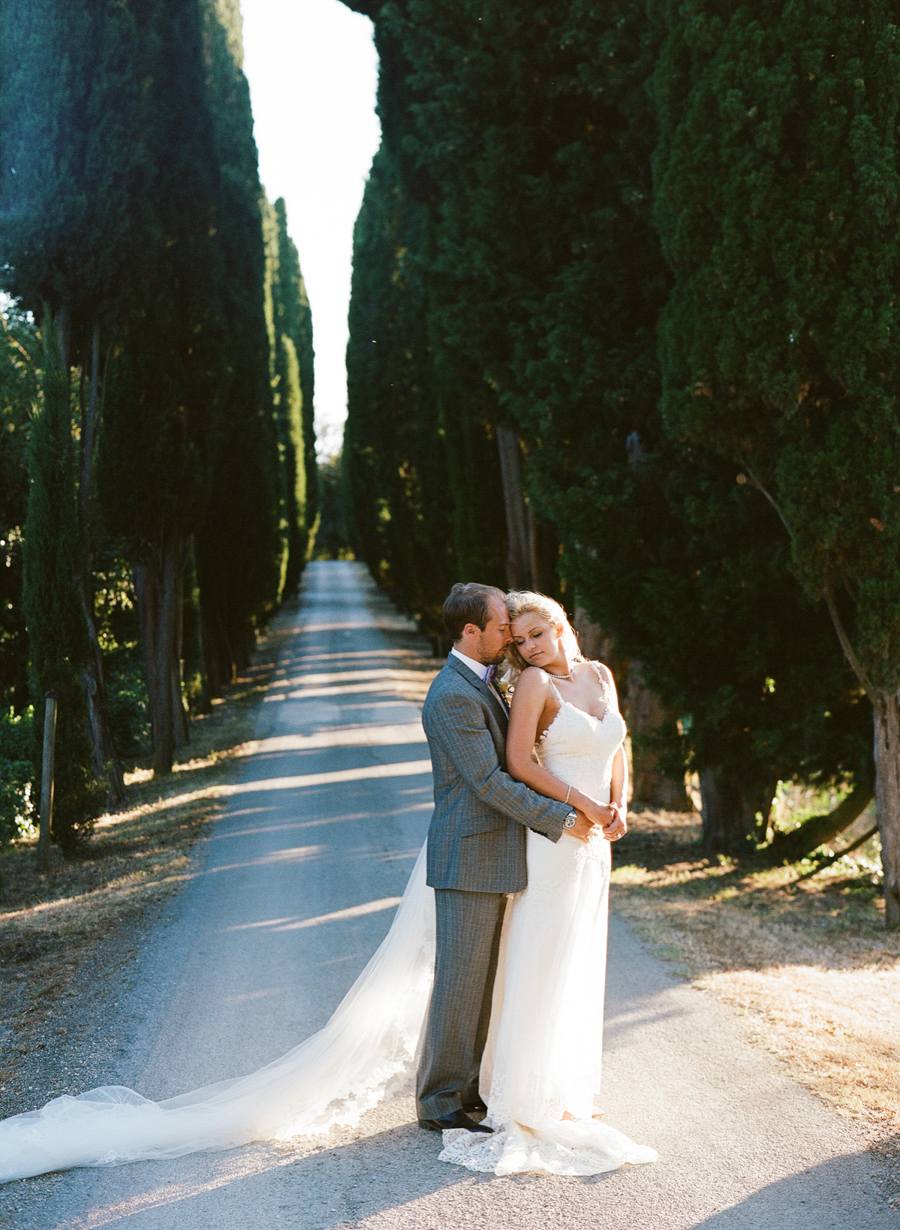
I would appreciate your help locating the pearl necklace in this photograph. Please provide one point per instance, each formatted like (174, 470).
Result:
(555, 676)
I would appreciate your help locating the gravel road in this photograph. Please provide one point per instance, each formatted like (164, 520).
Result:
(292, 892)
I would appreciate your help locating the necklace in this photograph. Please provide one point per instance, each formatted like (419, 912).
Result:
(555, 676)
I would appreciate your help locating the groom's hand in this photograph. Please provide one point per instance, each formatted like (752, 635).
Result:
(582, 827)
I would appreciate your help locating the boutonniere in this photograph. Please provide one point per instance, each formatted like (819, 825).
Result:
(505, 682)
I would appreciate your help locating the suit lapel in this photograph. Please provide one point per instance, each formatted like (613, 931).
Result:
(480, 686)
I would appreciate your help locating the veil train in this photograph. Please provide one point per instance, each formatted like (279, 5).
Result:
(366, 1052)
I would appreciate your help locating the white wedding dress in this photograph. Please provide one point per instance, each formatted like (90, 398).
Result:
(545, 1045)
(543, 1055)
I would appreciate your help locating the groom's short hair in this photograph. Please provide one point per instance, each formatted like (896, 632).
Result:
(469, 604)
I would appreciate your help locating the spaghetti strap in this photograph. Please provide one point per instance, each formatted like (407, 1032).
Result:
(555, 689)
(603, 683)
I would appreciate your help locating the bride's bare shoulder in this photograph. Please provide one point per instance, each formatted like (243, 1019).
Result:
(532, 682)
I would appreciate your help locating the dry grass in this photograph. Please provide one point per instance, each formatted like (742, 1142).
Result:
(809, 962)
(53, 926)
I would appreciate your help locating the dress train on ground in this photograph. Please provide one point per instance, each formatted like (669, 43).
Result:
(544, 1052)
(365, 1053)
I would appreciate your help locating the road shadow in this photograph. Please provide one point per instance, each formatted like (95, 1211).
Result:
(337, 1183)
(389, 1177)
(800, 1201)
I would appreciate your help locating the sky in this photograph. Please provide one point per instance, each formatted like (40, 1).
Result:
(312, 69)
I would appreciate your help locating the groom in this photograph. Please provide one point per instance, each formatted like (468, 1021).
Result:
(476, 851)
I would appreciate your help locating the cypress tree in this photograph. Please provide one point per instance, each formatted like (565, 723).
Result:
(289, 323)
(132, 209)
(627, 501)
(19, 394)
(297, 318)
(396, 467)
(71, 178)
(530, 133)
(777, 187)
(420, 454)
(240, 547)
(58, 642)
(164, 389)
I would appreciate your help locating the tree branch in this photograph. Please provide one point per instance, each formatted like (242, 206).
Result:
(849, 653)
(814, 832)
(759, 487)
(833, 858)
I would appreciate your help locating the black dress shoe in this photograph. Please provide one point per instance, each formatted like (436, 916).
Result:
(456, 1119)
(475, 1108)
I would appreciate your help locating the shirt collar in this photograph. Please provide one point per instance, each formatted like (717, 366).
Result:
(477, 668)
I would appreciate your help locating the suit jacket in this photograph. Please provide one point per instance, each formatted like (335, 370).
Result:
(477, 835)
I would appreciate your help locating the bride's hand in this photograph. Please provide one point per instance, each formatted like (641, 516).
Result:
(602, 814)
(617, 826)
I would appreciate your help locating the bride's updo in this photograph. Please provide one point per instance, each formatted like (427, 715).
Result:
(527, 602)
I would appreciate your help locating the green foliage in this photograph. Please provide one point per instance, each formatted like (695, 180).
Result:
(74, 171)
(165, 385)
(131, 218)
(240, 546)
(128, 708)
(425, 503)
(289, 325)
(778, 205)
(17, 809)
(58, 644)
(332, 541)
(118, 628)
(393, 458)
(18, 398)
(528, 135)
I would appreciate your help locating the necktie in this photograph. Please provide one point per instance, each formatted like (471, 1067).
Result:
(491, 672)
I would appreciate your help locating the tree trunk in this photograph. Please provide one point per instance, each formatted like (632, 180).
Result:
(887, 798)
(543, 554)
(645, 715)
(646, 718)
(812, 833)
(729, 813)
(886, 707)
(219, 665)
(180, 736)
(106, 759)
(158, 590)
(206, 694)
(598, 645)
(518, 559)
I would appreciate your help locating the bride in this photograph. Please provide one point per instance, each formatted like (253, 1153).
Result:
(540, 1075)
(541, 1069)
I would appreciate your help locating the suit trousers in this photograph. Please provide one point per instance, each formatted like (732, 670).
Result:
(468, 927)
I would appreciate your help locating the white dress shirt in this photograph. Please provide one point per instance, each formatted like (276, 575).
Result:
(481, 671)
(478, 667)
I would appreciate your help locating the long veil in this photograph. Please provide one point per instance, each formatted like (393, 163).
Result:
(365, 1052)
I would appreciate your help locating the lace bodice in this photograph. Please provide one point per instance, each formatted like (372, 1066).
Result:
(579, 748)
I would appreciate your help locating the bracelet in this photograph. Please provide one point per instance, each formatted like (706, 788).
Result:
(568, 792)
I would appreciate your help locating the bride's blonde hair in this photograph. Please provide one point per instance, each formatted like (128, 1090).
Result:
(526, 602)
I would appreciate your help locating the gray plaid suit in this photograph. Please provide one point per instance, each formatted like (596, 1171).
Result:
(476, 854)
